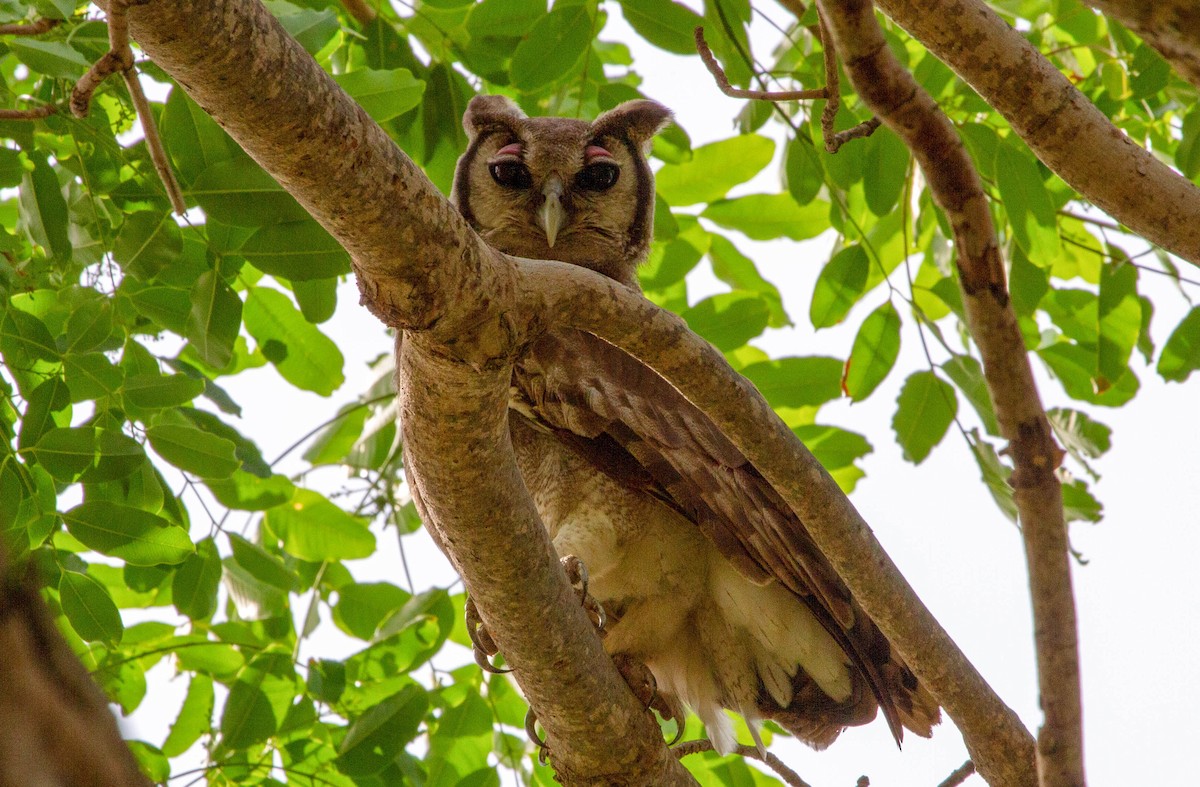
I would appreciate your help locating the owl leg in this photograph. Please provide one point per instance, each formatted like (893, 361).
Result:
(577, 574)
(643, 685)
(482, 645)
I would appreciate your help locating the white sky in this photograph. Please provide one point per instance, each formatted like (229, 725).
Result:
(1138, 598)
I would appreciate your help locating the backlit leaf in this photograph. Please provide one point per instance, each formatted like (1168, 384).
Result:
(797, 382)
(714, 169)
(193, 450)
(312, 528)
(839, 286)
(553, 46)
(770, 216)
(305, 357)
(730, 319)
(137, 537)
(214, 319)
(875, 350)
(383, 94)
(89, 608)
(1181, 354)
(296, 250)
(925, 409)
(667, 25)
(194, 585)
(1030, 210)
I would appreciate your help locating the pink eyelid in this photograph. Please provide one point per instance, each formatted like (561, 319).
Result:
(513, 149)
(594, 152)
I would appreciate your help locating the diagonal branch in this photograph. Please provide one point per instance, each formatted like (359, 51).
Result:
(1062, 127)
(909, 111)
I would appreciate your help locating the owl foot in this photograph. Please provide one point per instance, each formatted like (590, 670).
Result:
(538, 740)
(643, 685)
(482, 645)
(577, 574)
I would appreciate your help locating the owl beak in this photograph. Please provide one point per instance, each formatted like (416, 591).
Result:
(551, 215)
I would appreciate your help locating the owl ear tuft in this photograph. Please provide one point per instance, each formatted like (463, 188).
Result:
(490, 111)
(639, 119)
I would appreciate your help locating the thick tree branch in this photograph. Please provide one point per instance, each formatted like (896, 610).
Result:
(1170, 26)
(907, 109)
(1066, 131)
(58, 728)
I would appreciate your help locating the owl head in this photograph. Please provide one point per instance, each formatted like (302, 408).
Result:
(561, 189)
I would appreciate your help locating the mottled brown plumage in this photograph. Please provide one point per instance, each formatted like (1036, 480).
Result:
(708, 577)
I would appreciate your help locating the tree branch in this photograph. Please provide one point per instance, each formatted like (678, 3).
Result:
(1170, 26)
(909, 111)
(1062, 127)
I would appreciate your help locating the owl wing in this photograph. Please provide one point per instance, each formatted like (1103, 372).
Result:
(638, 429)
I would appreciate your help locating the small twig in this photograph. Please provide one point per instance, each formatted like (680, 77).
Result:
(29, 28)
(835, 140)
(959, 776)
(119, 58)
(718, 73)
(789, 776)
(28, 114)
(863, 781)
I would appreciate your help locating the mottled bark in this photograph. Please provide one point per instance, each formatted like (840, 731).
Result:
(1062, 127)
(57, 728)
(1170, 26)
(892, 93)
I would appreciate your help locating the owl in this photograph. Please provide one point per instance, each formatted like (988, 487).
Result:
(706, 575)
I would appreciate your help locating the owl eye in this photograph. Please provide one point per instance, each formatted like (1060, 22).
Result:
(511, 174)
(600, 176)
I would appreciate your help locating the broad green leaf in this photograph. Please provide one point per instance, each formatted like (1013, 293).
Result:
(738, 271)
(770, 216)
(246, 492)
(192, 138)
(797, 382)
(875, 350)
(166, 306)
(337, 439)
(42, 207)
(24, 339)
(967, 374)
(1120, 323)
(137, 537)
(669, 262)
(91, 376)
(886, 158)
(833, 447)
(667, 25)
(363, 606)
(147, 242)
(194, 585)
(504, 18)
(89, 326)
(552, 48)
(1074, 366)
(839, 286)
(151, 761)
(305, 357)
(714, 169)
(803, 171)
(153, 391)
(261, 564)
(925, 409)
(48, 408)
(65, 452)
(245, 450)
(1079, 505)
(258, 701)
(383, 94)
(214, 319)
(312, 28)
(197, 654)
(312, 528)
(296, 250)
(462, 742)
(117, 457)
(317, 298)
(995, 475)
(194, 451)
(373, 738)
(326, 680)
(241, 194)
(56, 59)
(730, 319)
(1079, 433)
(89, 608)
(1030, 210)
(1181, 354)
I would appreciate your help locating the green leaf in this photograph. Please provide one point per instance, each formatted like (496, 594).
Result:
(967, 374)
(137, 537)
(312, 28)
(462, 741)
(925, 409)
(1181, 354)
(317, 298)
(66, 452)
(875, 350)
(246, 492)
(258, 701)
(42, 207)
(50, 399)
(91, 376)
(148, 242)
(1030, 209)
(312, 528)
(714, 169)
(193, 139)
(296, 250)
(770, 216)
(24, 339)
(665, 24)
(833, 447)
(373, 738)
(1120, 322)
(89, 608)
(886, 158)
(262, 565)
(56, 59)
(214, 319)
(246, 450)
(305, 357)
(738, 271)
(839, 286)
(363, 607)
(151, 761)
(670, 262)
(1074, 366)
(504, 18)
(1079, 505)
(1079, 433)
(383, 94)
(197, 654)
(194, 585)
(995, 475)
(730, 319)
(117, 457)
(239, 193)
(153, 391)
(193, 450)
(337, 439)
(552, 48)
(89, 326)
(803, 171)
(797, 382)
(195, 717)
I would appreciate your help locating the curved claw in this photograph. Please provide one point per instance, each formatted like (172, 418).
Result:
(483, 647)
(486, 665)
(596, 612)
(678, 733)
(531, 731)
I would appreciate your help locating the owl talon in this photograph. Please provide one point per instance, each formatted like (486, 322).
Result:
(577, 574)
(483, 647)
(531, 731)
